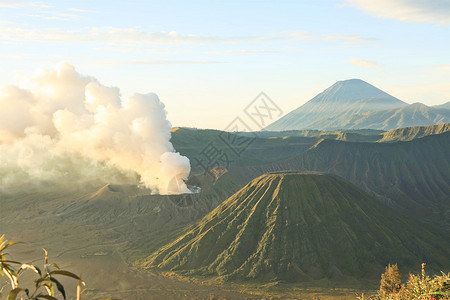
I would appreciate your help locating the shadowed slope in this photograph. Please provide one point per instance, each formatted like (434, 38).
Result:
(298, 227)
(412, 177)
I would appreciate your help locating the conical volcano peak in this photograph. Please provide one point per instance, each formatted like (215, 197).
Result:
(293, 226)
(351, 83)
(337, 104)
(351, 90)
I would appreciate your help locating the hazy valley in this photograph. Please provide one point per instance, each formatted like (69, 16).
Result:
(299, 212)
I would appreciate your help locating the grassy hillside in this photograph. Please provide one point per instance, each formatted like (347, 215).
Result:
(412, 177)
(298, 227)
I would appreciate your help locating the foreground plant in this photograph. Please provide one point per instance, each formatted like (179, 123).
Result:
(45, 284)
(391, 281)
(420, 287)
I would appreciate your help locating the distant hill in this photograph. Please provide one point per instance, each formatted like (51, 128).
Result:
(275, 146)
(411, 133)
(297, 227)
(337, 104)
(256, 150)
(416, 114)
(413, 177)
(445, 105)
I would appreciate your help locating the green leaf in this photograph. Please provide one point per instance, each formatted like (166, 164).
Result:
(54, 265)
(65, 273)
(9, 272)
(8, 245)
(440, 293)
(59, 286)
(11, 262)
(30, 267)
(49, 287)
(46, 297)
(13, 294)
(39, 280)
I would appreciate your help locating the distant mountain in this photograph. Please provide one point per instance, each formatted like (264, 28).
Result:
(337, 103)
(412, 177)
(445, 105)
(416, 114)
(256, 150)
(298, 227)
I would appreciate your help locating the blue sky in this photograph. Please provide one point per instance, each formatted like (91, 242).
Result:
(208, 59)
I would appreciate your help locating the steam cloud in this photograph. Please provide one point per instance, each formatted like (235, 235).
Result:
(67, 128)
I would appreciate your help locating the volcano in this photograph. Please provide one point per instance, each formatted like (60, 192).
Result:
(296, 226)
(335, 105)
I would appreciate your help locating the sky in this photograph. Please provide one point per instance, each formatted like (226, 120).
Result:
(207, 60)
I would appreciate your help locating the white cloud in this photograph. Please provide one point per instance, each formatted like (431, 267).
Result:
(301, 35)
(137, 36)
(242, 52)
(11, 3)
(165, 62)
(79, 10)
(55, 16)
(111, 62)
(416, 11)
(109, 35)
(364, 63)
(21, 3)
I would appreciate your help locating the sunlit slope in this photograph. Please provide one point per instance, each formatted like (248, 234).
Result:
(298, 227)
(410, 133)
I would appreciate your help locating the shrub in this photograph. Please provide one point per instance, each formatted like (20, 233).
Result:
(420, 287)
(391, 281)
(45, 283)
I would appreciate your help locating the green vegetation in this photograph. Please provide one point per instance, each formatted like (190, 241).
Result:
(417, 287)
(45, 284)
(391, 281)
(296, 227)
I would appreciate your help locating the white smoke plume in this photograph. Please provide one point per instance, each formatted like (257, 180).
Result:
(68, 128)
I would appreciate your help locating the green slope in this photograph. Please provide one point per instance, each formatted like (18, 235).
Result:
(299, 227)
(412, 177)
